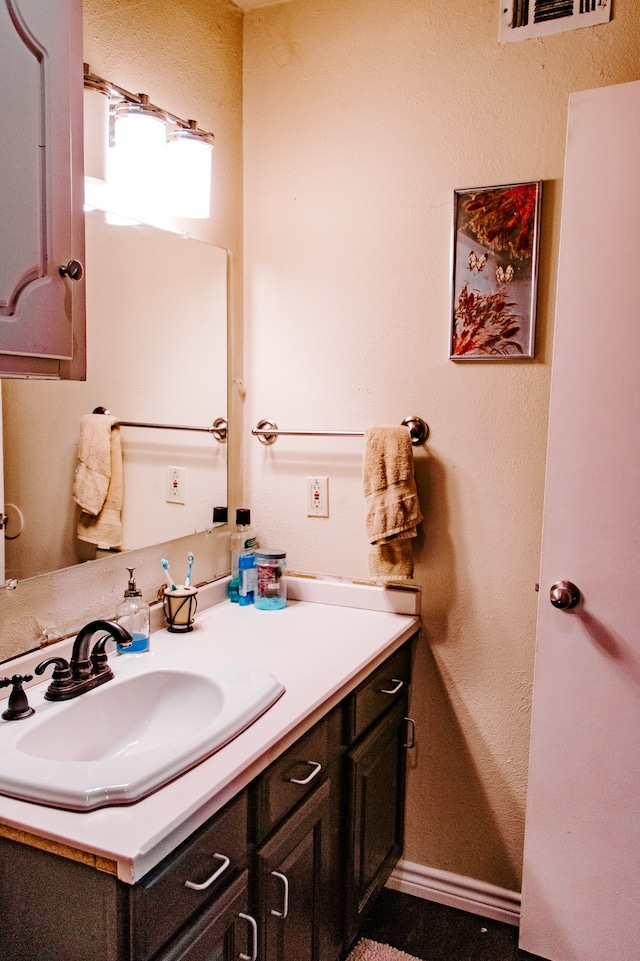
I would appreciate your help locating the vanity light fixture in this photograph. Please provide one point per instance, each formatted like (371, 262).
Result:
(156, 163)
(136, 173)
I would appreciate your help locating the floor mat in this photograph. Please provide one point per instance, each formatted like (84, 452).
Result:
(366, 950)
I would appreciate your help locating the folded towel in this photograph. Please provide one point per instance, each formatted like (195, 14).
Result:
(97, 487)
(391, 501)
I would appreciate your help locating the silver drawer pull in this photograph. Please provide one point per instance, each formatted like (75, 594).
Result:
(317, 767)
(410, 743)
(285, 903)
(398, 686)
(216, 874)
(254, 935)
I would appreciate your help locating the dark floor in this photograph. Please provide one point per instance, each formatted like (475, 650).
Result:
(434, 932)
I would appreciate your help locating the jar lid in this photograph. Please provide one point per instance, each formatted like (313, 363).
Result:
(270, 554)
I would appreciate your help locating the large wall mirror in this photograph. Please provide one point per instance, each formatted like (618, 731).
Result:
(156, 353)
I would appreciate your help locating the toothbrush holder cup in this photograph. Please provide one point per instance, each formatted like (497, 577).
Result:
(180, 608)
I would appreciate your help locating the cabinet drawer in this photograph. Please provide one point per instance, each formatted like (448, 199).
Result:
(295, 773)
(166, 897)
(384, 687)
(223, 931)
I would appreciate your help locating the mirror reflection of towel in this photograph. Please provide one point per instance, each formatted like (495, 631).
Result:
(97, 486)
(391, 500)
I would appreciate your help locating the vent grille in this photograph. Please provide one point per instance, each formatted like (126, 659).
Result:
(522, 19)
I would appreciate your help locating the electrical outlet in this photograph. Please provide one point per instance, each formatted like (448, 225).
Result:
(176, 485)
(317, 496)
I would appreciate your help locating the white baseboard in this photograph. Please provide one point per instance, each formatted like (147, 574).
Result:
(456, 891)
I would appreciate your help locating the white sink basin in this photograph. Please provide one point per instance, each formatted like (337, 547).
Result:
(158, 717)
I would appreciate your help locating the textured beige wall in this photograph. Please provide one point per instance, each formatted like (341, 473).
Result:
(360, 119)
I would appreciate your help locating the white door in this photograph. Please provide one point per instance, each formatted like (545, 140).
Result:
(581, 882)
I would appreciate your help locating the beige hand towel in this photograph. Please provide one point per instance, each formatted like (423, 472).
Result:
(391, 501)
(98, 482)
(93, 471)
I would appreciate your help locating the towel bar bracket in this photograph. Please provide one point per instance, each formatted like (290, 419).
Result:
(268, 432)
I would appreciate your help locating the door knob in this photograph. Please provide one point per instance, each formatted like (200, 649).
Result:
(73, 270)
(564, 595)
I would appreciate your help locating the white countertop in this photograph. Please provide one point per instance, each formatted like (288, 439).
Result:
(318, 650)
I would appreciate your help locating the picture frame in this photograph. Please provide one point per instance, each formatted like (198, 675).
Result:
(495, 271)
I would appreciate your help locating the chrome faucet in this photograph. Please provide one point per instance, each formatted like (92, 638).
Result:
(85, 670)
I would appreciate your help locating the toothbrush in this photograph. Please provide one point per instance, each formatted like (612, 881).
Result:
(187, 580)
(170, 584)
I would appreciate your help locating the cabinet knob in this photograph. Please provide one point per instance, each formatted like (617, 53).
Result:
(73, 270)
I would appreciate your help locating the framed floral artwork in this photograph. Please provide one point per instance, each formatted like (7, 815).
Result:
(495, 272)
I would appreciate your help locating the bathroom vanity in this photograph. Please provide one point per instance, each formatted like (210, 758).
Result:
(272, 848)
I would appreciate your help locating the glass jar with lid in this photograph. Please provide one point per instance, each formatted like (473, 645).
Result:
(271, 583)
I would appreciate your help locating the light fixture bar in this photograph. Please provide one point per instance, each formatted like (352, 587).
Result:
(118, 93)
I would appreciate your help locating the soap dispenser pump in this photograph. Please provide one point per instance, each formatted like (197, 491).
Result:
(132, 613)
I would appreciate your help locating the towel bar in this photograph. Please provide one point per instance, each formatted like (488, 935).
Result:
(267, 432)
(218, 428)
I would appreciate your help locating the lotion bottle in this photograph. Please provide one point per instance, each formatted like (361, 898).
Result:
(132, 613)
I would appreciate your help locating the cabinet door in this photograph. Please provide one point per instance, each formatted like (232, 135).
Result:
(41, 188)
(375, 790)
(292, 883)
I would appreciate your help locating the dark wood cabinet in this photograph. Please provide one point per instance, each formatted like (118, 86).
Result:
(296, 829)
(54, 909)
(286, 870)
(225, 931)
(375, 788)
(292, 883)
(374, 784)
(166, 899)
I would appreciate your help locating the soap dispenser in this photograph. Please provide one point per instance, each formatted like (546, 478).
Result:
(132, 613)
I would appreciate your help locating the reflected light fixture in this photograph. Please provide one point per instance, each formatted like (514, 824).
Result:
(96, 130)
(189, 171)
(156, 163)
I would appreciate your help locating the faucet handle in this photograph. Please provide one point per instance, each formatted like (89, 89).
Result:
(99, 660)
(18, 706)
(61, 679)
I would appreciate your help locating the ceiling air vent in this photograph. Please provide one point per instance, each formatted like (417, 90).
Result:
(523, 19)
